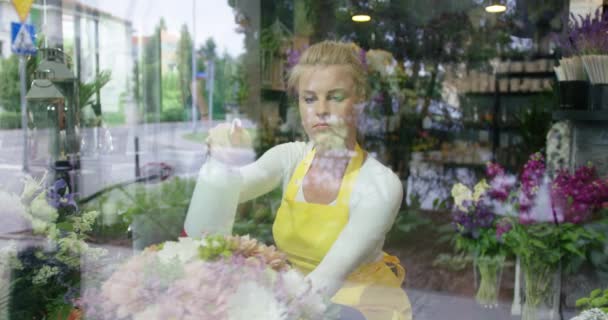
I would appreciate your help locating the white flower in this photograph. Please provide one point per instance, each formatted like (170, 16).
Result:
(592, 314)
(85, 222)
(215, 244)
(298, 287)
(480, 189)
(150, 313)
(295, 283)
(503, 208)
(461, 193)
(251, 301)
(41, 209)
(185, 250)
(39, 226)
(44, 274)
(31, 186)
(8, 257)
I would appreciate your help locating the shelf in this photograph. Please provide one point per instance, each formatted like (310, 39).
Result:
(523, 74)
(581, 115)
(505, 94)
(452, 164)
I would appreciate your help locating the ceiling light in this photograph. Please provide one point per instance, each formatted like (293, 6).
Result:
(361, 18)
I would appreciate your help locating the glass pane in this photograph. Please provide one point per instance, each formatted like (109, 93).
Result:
(303, 159)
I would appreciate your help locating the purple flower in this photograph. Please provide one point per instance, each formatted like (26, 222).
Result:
(585, 35)
(378, 98)
(478, 216)
(58, 198)
(501, 187)
(363, 58)
(502, 227)
(576, 196)
(531, 178)
(293, 57)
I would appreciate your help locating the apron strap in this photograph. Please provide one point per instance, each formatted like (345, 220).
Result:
(348, 182)
(295, 182)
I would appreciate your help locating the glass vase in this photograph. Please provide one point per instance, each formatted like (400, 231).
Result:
(488, 276)
(541, 292)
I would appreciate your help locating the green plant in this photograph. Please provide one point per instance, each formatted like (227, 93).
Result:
(160, 206)
(10, 120)
(9, 84)
(534, 123)
(598, 298)
(87, 91)
(113, 118)
(172, 115)
(544, 249)
(546, 244)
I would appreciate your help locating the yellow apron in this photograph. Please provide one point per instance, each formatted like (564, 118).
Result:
(306, 232)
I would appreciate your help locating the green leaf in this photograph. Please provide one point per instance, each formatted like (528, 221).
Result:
(538, 243)
(65, 226)
(595, 293)
(573, 249)
(599, 302)
(582, 302)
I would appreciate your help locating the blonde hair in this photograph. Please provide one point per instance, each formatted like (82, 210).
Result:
(332, 53)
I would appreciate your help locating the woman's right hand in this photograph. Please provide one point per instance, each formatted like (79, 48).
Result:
(230, 143)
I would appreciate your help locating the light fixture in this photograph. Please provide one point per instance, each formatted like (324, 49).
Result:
(361, 17)
(495, 6)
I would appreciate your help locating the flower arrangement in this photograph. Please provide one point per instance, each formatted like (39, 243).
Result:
(477, 213)
(548, 234)
(480, 229)
(216, 277)
(42, 273)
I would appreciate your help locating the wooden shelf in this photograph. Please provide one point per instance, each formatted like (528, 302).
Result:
(581, 115)
(452, 164)
(523, 74)
(506, 94)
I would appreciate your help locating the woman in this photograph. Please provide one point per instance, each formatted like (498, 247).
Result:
(338, 203)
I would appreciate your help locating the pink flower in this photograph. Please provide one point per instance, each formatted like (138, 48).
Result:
(494, 169)
(502, 227)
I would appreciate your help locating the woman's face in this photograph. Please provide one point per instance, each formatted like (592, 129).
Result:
(327, 98)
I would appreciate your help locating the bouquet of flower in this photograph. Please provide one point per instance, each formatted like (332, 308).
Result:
(216, 277)
(549, 233)
(477, 213)
(41, 273)
(585, 47)
(479, 228)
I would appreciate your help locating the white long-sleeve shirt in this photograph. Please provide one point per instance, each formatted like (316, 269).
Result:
(374, 204)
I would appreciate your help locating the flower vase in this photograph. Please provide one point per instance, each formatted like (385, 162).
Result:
(541, 292)
(488, 275)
